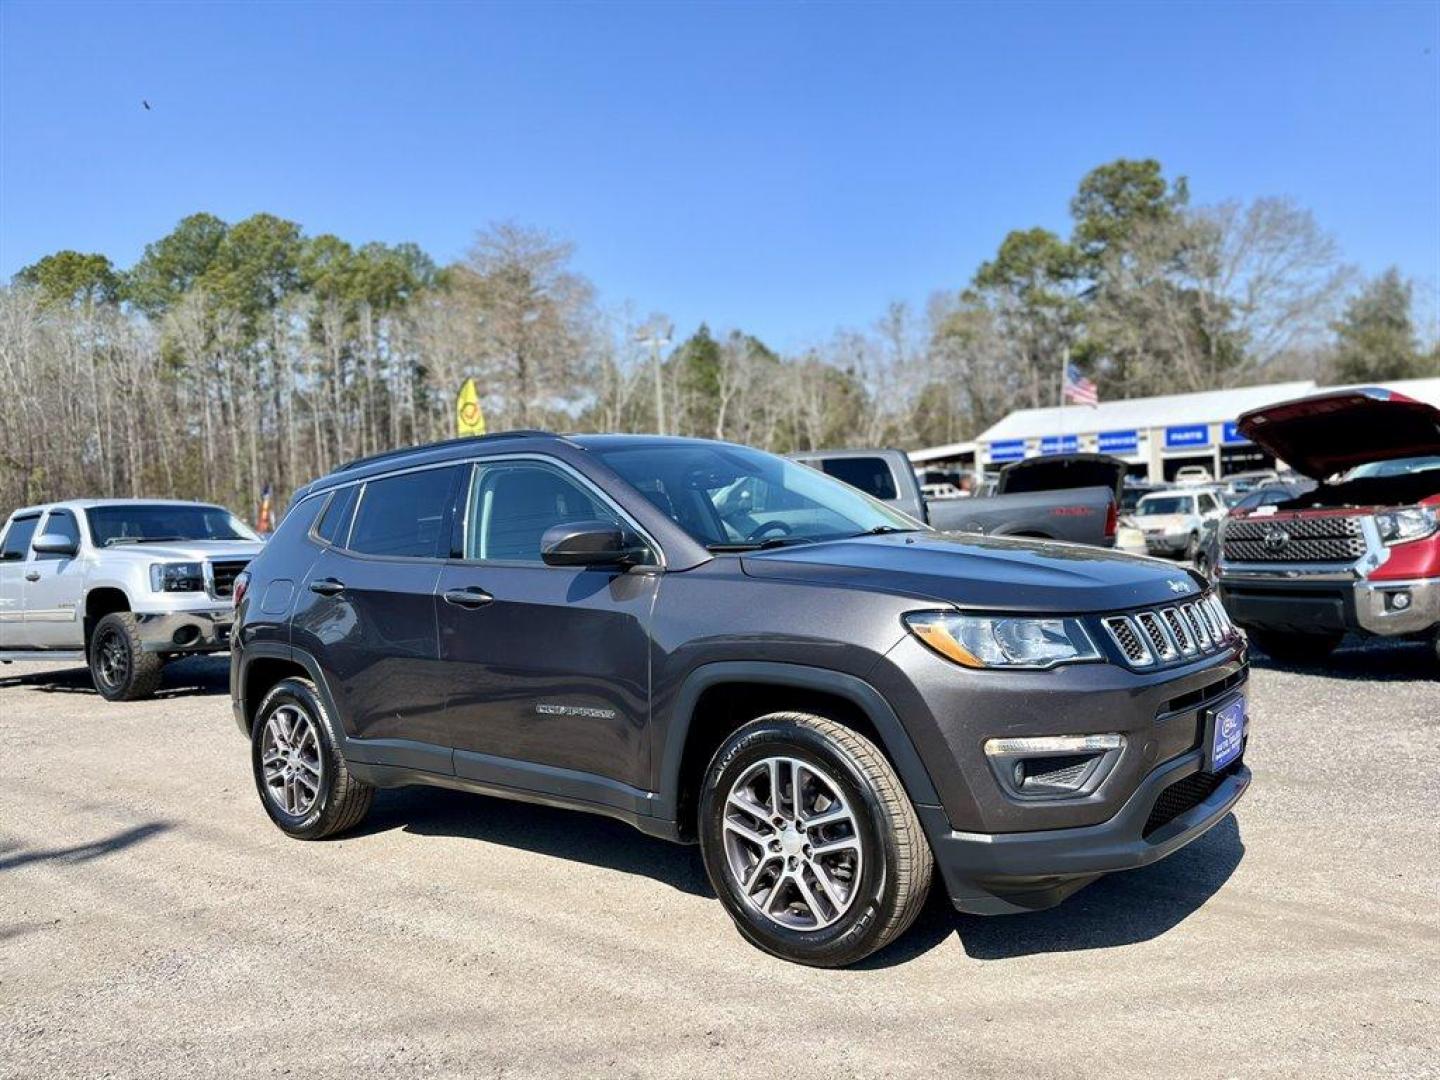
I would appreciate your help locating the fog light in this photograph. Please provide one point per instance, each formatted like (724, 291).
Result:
(1053, 766)
(1397, 601)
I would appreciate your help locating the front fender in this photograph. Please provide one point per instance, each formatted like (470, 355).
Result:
(896, 741)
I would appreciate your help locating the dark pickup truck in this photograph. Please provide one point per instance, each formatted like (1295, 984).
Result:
(1070, 497)
(718, 645)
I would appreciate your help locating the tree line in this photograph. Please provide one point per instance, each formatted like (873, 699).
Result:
(235, 356)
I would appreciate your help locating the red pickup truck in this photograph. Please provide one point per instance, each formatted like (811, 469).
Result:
(1358, 554)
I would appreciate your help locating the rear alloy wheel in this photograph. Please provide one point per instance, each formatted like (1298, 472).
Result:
(810, 840)
(1295, 648)
(120, 667)
(303, 782)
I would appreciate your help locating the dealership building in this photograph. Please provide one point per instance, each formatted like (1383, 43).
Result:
(1156, 436)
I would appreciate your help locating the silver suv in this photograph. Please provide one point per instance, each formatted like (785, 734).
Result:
(122, 584)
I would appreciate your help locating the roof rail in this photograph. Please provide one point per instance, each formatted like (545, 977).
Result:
(407, 450)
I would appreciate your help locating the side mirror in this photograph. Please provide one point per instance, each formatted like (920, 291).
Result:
(590, 543)
(55, 544)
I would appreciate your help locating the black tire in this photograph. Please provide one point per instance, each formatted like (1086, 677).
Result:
(1295, 648)
(120, 668)
(342, 801)
(896, 861)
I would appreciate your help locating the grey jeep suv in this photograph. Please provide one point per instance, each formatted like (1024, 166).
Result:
(719, 645)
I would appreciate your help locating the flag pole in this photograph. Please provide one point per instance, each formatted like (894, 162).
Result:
(1064, 367)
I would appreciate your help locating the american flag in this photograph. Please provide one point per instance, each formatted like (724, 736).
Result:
(1078, 388)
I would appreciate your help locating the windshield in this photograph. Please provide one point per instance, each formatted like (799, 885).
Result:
(731, 498)
(1130, 498)
(1399, 467)
(1267, 496)
(1166, 504)
(142, 524)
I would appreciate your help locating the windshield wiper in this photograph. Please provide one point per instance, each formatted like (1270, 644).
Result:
(145, 540)
(882, 530)
(768, 542)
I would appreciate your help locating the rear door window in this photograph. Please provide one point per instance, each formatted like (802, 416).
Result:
(18, 537)
(870, 474)
(405, 516)
(335, 524)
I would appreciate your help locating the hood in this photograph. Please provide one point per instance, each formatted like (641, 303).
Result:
(187, 550)
(1060, 472)
(1326, 434)
(1152, 522)
(994, 573)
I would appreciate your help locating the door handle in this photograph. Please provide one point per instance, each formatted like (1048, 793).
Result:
(470, 597)
(32, 575)
(327, 586)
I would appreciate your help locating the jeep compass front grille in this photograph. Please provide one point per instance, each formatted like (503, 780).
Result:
(1160, 636)
(1331, 538)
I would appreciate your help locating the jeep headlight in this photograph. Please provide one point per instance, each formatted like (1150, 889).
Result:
(177, 577)
(1411, 523)
(1003, 641)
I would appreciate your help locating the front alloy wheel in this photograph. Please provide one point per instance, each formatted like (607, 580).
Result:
(810, 841)
(119, 665)
(792, 844)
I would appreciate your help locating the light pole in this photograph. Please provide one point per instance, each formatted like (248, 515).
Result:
(657, 339)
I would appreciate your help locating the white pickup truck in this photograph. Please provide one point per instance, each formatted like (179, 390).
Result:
(122, 585)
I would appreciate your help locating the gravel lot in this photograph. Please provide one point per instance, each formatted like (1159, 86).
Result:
(153, 923)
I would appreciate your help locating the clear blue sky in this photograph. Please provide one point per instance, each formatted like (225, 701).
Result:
(786, 169)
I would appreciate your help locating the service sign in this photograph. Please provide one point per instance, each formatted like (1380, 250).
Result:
(1119, 442)
(1185, 436)
(1007, 450)
(1230, 434)
(1060, 444)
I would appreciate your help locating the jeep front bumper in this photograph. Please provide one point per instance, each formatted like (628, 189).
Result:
(1005, 873)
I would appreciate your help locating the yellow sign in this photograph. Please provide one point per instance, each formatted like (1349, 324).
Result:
(469, 419)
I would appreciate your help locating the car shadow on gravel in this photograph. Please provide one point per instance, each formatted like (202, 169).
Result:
(193, 677)
(1118, 909)
(562, 834)
(1376, 660)
(18, 855)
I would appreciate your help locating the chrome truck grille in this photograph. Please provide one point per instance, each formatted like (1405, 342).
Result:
(1330, 538)
(222, 575)
(1167, 635)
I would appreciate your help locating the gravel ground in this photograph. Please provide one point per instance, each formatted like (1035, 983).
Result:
(153, 923)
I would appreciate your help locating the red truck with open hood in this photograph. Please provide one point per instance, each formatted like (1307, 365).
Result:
(1361, 552)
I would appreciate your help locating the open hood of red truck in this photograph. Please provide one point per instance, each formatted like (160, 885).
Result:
(1331, 432)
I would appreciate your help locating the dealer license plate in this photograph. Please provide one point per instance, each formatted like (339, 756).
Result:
(1227, 734)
